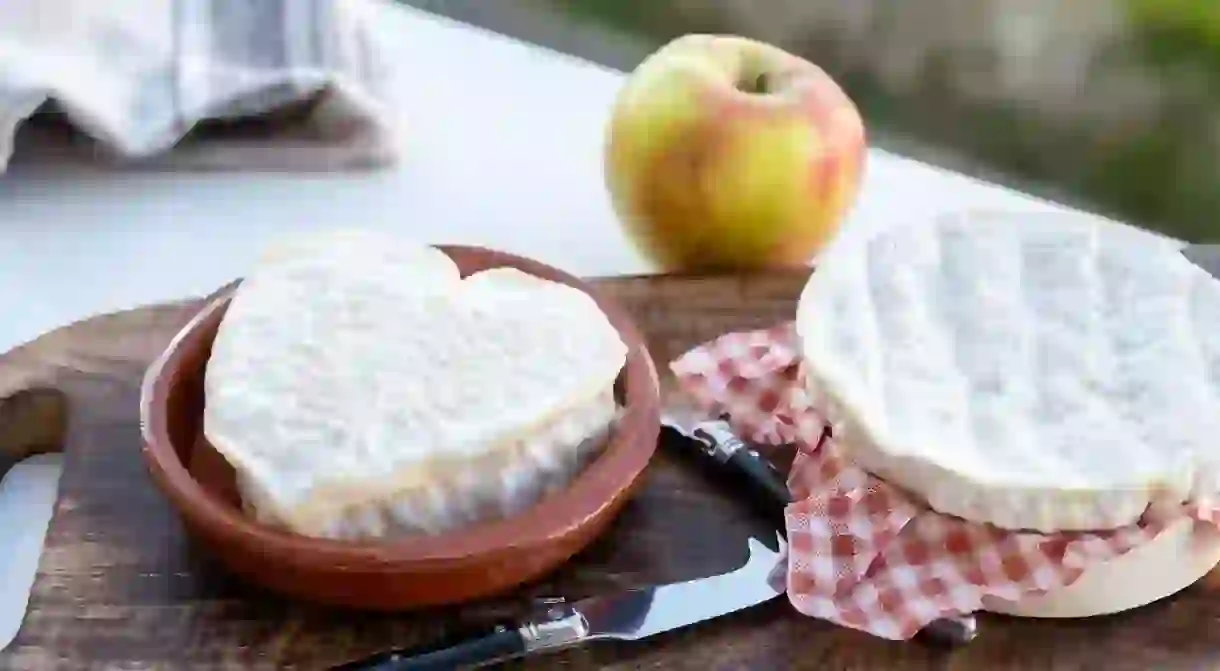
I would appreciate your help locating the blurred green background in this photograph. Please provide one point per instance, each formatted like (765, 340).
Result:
(1109, 105)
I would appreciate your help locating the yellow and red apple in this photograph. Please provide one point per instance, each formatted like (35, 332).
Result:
(725, 153)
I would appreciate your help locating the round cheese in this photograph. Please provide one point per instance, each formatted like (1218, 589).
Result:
(1041, 372)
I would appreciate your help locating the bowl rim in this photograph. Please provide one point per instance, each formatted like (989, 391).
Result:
(610, 476)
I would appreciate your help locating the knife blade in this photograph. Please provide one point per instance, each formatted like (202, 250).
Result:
(626, 616)
(714, 443)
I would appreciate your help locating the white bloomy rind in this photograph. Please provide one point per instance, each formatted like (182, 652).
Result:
(361, 388)
(1041, 372)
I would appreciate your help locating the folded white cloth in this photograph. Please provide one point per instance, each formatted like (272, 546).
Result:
(267, 84)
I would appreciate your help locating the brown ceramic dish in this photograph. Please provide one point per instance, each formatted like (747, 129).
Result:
(475, 562)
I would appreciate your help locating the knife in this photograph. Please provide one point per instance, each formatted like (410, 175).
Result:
(714, 443)
(626, 616)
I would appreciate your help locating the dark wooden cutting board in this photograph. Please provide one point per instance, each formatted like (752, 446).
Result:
(120, 587)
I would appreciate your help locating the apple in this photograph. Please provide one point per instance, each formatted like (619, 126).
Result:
(725, 153)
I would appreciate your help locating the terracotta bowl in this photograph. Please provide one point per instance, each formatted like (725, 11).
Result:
(478, 561)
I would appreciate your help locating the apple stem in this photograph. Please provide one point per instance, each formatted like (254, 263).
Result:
(759, 85)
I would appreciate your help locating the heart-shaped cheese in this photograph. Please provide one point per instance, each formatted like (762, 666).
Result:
(361, 388)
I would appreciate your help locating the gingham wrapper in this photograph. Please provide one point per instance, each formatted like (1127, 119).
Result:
(862, 553)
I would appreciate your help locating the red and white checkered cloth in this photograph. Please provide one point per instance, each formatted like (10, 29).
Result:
(862, 553)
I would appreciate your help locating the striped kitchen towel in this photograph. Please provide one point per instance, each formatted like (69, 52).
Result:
(272, 84)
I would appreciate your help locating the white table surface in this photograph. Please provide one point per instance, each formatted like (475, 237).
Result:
(502, 148)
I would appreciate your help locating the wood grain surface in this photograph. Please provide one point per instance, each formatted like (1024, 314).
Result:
(120, 587)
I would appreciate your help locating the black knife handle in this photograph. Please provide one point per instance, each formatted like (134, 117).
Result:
(472, 649)
(764, 485)
(767, 488)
